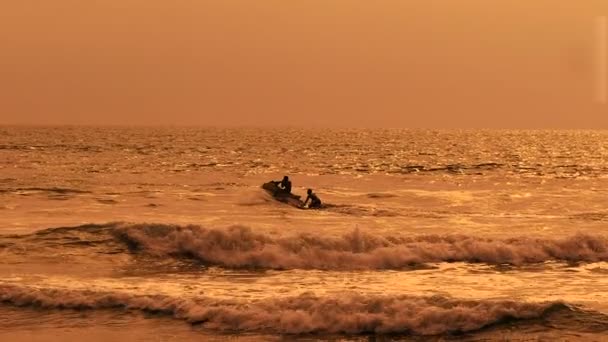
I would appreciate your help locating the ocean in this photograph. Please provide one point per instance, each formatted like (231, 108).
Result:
(164, 234)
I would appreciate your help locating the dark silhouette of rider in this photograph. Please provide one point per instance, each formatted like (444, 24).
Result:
(285, 185)
(315, 202)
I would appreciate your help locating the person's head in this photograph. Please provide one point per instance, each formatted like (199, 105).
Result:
(285, 178)
(309, 191)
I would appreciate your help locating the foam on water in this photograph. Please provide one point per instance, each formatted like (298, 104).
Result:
(349, 313)
(243, 247)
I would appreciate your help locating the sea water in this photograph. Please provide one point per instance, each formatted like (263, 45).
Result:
(164, 234)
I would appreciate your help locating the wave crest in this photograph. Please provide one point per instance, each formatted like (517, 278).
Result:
(349, 313)
(242, 247)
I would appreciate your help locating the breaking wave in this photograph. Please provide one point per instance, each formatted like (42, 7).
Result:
(242, 247)
(305, 314)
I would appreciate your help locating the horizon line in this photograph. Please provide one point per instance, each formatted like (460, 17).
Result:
(305, 127)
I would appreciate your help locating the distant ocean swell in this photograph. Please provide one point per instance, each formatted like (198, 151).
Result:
(243, 247)
(349, 313)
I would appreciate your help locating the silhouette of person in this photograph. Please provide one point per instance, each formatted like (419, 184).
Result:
(285, 185)
(315, 202)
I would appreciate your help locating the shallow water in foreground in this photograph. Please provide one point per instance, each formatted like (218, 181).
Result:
(165, 234)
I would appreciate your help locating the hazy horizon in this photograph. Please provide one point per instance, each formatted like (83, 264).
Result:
(432, 64)
(297, 127)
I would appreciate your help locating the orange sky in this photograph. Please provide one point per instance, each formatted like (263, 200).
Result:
(361, 63)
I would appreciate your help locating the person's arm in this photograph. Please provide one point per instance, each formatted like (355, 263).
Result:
(307, 198)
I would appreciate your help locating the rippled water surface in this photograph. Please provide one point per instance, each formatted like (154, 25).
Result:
(165, 234)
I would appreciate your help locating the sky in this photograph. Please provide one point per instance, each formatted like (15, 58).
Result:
(334, 63)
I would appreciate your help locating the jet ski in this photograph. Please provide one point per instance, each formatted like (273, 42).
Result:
(280, 195)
